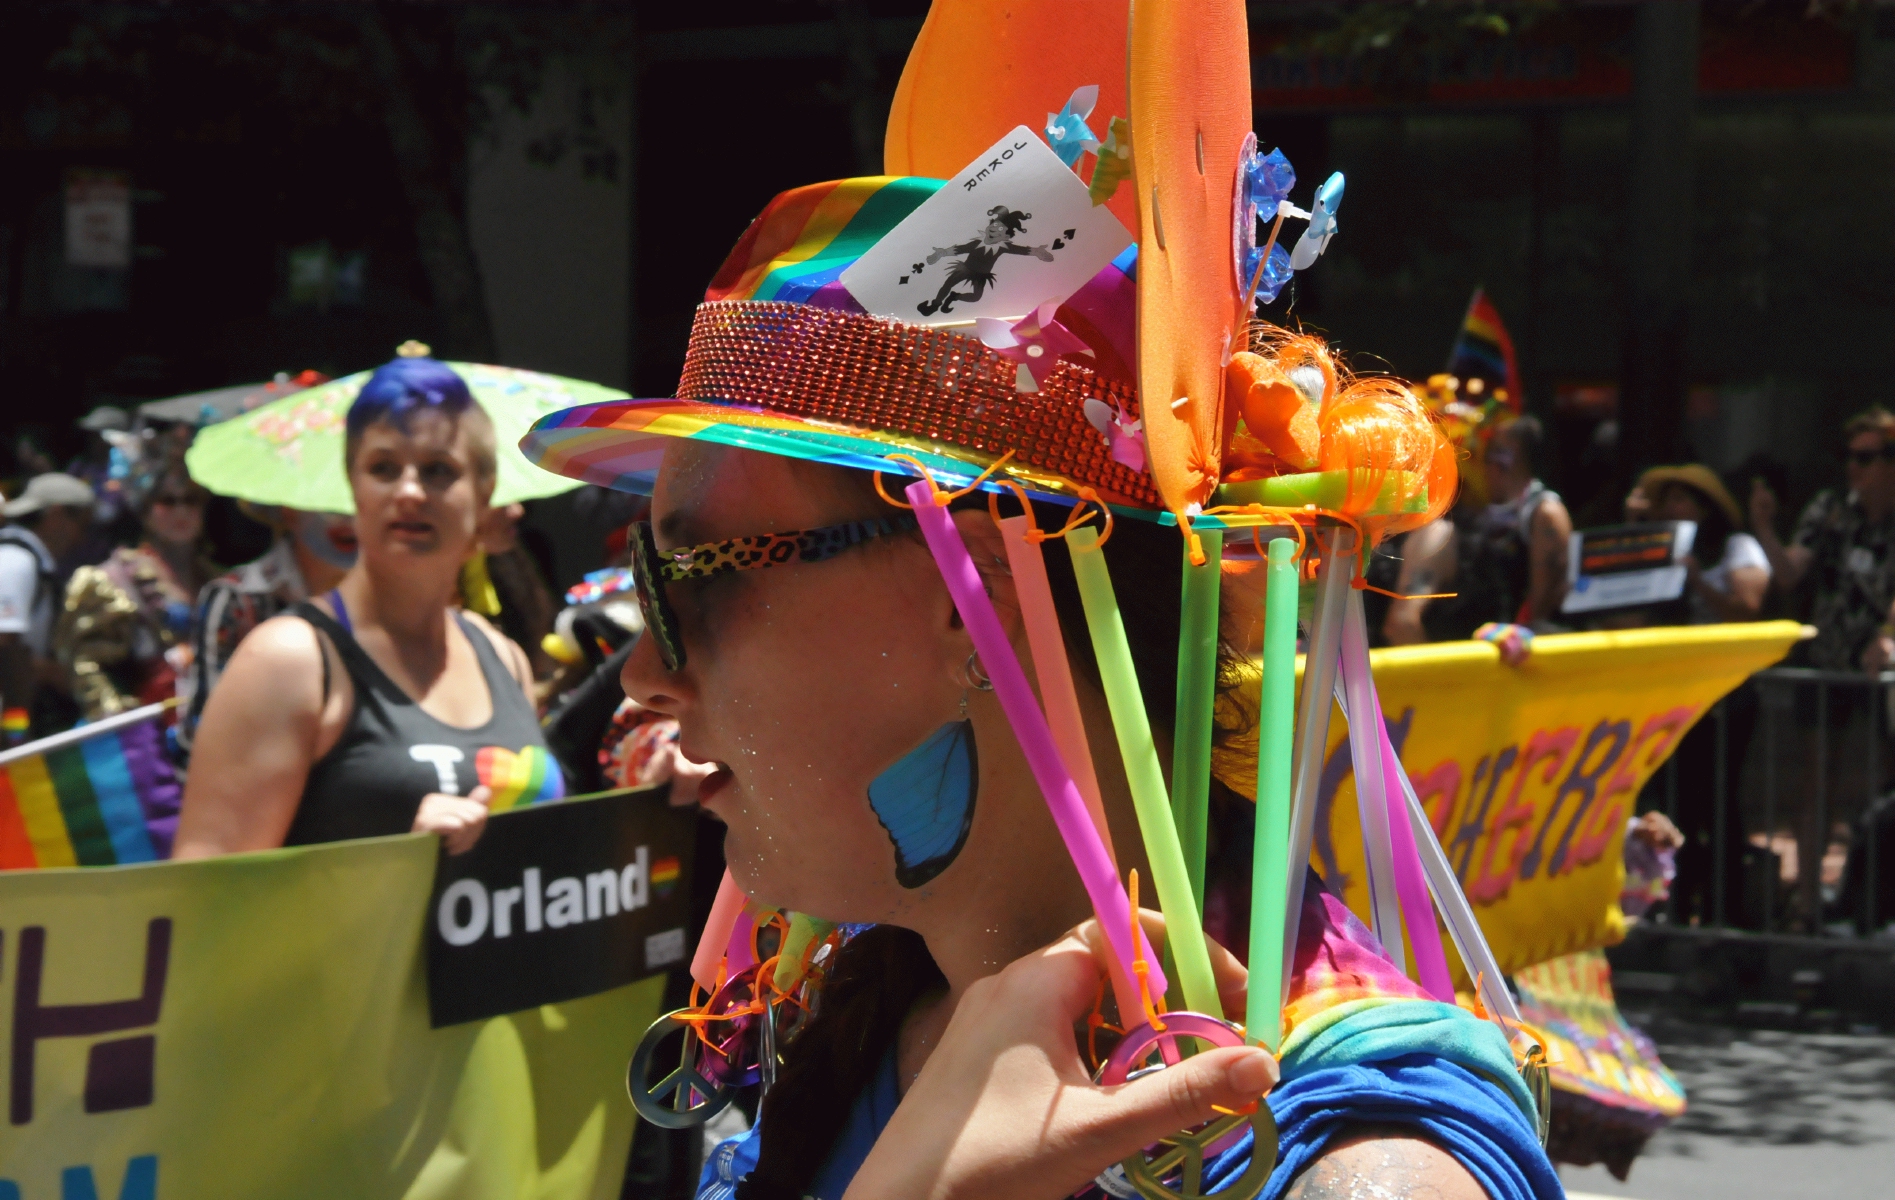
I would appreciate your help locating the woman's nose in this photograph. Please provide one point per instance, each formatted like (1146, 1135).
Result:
(646, 681)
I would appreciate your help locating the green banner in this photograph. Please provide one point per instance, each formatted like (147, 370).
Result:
(257, 1026)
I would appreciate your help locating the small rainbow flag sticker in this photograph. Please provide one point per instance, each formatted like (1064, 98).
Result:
(664, 875)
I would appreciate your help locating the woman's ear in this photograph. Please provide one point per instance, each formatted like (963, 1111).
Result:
(989, 551)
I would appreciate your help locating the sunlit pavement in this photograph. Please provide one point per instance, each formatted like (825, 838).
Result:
(1779, 1115)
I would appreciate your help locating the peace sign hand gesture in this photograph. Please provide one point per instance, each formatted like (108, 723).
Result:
(1005, 1108)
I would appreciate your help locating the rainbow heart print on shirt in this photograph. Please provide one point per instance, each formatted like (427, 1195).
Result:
(526, 776)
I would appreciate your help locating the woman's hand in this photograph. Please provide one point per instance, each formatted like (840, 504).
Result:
(460, 820)
(1006, 1110)
(685, 776)
(1638, 506)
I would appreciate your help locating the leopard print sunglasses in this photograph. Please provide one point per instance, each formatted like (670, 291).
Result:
(653, 569)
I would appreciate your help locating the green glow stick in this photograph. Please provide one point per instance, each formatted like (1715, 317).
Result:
(804, 929)
(1197, 693)
(1330, 489)
(1184, 929)
(1276, 731)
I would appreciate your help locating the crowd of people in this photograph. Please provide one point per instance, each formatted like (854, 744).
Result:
(343, 683)
(1498, 566)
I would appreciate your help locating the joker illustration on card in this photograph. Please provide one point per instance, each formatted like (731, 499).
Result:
(979, 257)
(1012, 231)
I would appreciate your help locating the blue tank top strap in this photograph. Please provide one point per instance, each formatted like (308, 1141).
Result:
(334, 597)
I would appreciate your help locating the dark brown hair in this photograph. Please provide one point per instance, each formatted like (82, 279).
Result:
(881, 973)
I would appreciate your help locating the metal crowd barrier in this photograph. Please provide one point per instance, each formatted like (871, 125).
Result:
(1778, 690)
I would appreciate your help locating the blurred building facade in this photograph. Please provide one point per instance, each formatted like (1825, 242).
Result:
(193, 196)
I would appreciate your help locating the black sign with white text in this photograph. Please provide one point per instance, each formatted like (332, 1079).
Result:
(559, 901)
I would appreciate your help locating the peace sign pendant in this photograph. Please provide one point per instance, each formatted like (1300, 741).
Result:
(1181, 1156)
(686, 1096)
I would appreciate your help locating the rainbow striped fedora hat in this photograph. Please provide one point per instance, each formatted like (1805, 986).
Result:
(783, 359)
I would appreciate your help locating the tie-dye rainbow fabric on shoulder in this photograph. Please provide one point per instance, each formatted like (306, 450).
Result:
(1363, 1044)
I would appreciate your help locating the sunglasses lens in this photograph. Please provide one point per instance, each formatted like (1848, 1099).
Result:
(660, 623)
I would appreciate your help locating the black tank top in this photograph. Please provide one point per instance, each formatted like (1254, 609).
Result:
(391, 753)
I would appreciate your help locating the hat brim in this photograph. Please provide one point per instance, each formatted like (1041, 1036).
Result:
(1704, 482)
(620, 445)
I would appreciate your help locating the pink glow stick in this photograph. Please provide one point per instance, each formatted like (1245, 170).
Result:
(1061, 701)
(1109, 901)
(715, 941)
(1431, 962)
(740, 952)
(1052, 669)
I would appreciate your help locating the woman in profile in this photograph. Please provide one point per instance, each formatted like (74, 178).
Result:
(378, 708)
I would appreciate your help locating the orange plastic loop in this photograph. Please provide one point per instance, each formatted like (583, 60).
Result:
(1362, 585)
(883, 493)
(941, 498)
(1105, 535)
(1140, 967)
(978, 480)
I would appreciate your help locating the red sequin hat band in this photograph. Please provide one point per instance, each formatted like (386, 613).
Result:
(909, 382)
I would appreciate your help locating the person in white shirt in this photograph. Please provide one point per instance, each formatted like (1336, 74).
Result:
(47, 520)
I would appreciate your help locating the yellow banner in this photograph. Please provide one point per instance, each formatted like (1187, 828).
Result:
(257, 1026)
(1530, 773)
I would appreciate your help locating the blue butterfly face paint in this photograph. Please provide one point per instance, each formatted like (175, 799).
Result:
(926, 802)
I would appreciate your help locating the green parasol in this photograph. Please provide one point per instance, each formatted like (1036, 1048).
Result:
(289, 451)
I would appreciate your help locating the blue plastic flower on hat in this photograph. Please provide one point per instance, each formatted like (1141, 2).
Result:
(1275, 274)
(1066, 130)
(1270, 178)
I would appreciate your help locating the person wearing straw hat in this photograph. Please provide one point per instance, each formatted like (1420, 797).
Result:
(861, 692)
(1733, 586)
(379, 707)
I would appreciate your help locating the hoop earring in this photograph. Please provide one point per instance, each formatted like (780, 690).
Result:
(976, 676)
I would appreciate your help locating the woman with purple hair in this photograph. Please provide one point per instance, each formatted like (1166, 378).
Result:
(379, 707)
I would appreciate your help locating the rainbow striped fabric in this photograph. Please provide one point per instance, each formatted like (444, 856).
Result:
(798, 246)
(1350, 1004)
(795, 252)
(518, 778)
(105, 801)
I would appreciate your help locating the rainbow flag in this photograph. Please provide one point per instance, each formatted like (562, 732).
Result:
(1484, 351)
(96, 796)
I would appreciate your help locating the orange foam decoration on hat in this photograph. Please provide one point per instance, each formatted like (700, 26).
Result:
(1274, 410)
(981, 67)
(1190, 100)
